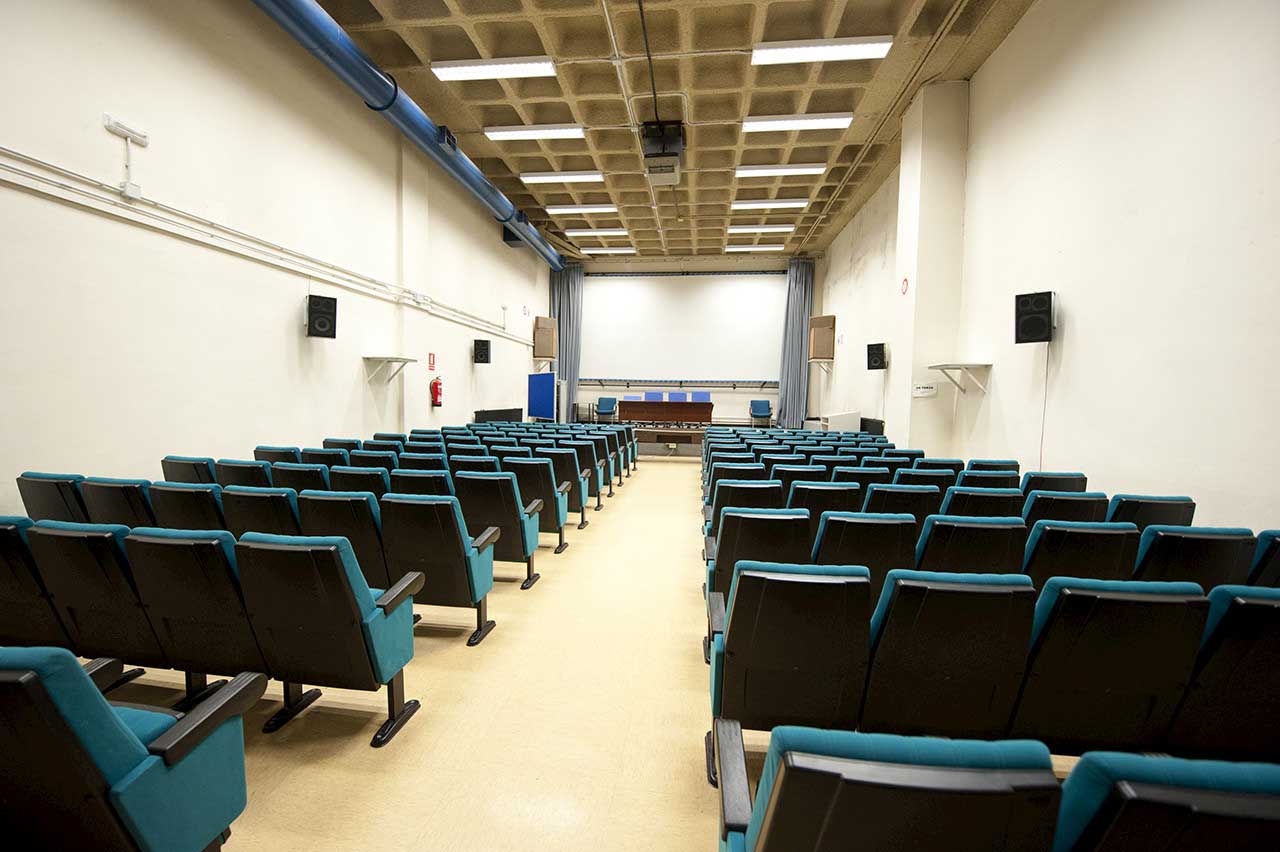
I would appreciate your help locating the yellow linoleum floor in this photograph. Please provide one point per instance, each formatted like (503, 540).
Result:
(576, 725)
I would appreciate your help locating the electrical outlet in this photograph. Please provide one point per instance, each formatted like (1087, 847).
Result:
(671, 446)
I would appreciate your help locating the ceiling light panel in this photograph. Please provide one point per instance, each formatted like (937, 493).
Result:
(816, 121)
(775, 171)
(495, 69)
(535, 131)
(761, 229)
(569, 209)
(753, 248)
(562, 177)
(774, 204)
(821, 50)
(596, 232)
(609, 250)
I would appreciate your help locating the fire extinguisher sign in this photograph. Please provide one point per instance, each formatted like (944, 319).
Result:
(431, 360)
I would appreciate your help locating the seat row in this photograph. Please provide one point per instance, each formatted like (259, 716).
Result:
(1084, 664)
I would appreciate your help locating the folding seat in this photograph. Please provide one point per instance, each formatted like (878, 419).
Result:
(1048, 481)
(944, 479)
(965, 544)
(265, 510)
(242, 472)
(355, 515)
(117, 501)
(865, 477)
(27, 615)
(810, 450)
(1266, 560)
(982, 502)
(948, 653)
(91, 583)
(821, 496)
(606, 452)
(384, 459)
(383, 447)
(769, 449)
(501, 453)
(538, 443)
(994, 464)
(740, 494)
(493, 500)
(424, 461)
(586, 452)
(424, 434)
(925, 463)
(855, 455)
(1210, 556)
(772, 460)
(317, 621)
(761, 535)
(918, 500)
(188, 469)
(828, 463)
(391, 436)
(619, 445)
(537, 478)
(893, 463)
(1109, 661)
(900, 452)
(789, 473)
(300, 477)
(827, 790)
(731, 470)
(52, 496)
(761, 411)
(190, 588)
(79, 773)
(431, 448)
(1100, 551)
(270, 454)
(328, 458)
(990, 479)
(498, 440)
(347, 444)
(438, 483)
(1139, 803)
(564, 463)
(789, 645)
(881, 542)
(474, 464)
(188, 505)
(1086, 506)
(1145, 510)
(455, 450)
(719, 457)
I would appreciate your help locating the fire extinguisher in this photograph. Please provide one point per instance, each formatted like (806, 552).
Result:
(437, 392)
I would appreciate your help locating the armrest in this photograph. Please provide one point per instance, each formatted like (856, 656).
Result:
(193, 728)
(486, 538)
(715, 613)
(534, 507)
(104, 671)
(562, 488)
(709, 548)
(585, 473)
(731, 773)
(706, 513)
(402, 591)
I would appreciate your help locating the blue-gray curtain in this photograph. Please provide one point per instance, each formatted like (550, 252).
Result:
(793, 381)
(566, 309)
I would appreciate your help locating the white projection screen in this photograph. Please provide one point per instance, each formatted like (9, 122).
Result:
(722, 326)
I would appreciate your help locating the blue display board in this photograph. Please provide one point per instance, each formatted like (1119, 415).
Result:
(542, 395)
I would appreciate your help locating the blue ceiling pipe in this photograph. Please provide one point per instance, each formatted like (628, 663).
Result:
(328, 42)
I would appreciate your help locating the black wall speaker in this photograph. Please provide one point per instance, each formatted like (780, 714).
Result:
(481, 352)
(877, 356)
(322, 316)
(1033, 318)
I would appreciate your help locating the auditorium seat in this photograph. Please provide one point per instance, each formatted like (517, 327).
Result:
(881, 542)
(1053, 481)
(1210, 556)
(91, 583)
(1087, 506)
(424, 448)
(537, 478)
(1109, 662)
(720, 457)
(300, 477)
(616, 444)
(944, 479)
(918, 500)
(117, 501)
(607, 408)
(328, 458)
(982, 502)
(842, 790)
(188, 505)
(474, 464)
(740, 494)
(391, 436)
(965, 544)
(27, 615)
(898, 452)
(761, 411)
(424, 461)
(383, 447)
(865, 477)
(188, 469)
(948, 653)
(994, 464)
(53, 496)
(893, 463)
(494, 500)
(731, 470)
(375, 479)
(271, 454)
(789, 473)
(607, 450)
(79, 773)
(586, 453)
(318, 621)
(455, 450)
(1099, 551)
(952, 465)
(242, 472)
(348, 444)
(384, 459)
(355, 515)
(821, 496)
(438, 483)
(427, 534)
(789, 645)
(1145, 510)
(1266, 560)
(989, 479)
(772, 460)
(1114, 802)
(265, 510)
(564, 464)
(760, 535)
(501, 452)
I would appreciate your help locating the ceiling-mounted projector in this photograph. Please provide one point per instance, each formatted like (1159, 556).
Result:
(663, 145)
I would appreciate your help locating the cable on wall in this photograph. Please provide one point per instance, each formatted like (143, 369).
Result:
(1044, 408)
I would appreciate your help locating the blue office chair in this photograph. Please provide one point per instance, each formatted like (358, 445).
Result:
(761, 413)
(607, 409)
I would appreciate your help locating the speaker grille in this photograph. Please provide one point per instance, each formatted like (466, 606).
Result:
(876, 357)
(322, 316)
(1033, 317)
(481, 351)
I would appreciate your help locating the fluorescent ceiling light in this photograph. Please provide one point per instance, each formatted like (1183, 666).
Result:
(564, 209)
(761, 229)
(821, 50)
(535, 131)
(754, 248)
(495, 69)
(775, 204)
(611, 250)
(596, 232)
(815, 121)
(564, 177)
(774, 171)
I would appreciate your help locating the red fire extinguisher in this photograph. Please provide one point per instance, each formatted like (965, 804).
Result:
(437, 392)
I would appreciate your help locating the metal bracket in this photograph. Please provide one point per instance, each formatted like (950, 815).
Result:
(824, 364)
(388, 365)
(964, 370)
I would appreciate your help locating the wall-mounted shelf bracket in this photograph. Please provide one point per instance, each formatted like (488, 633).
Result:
(383, 368)
(824, 364)
(977, 373)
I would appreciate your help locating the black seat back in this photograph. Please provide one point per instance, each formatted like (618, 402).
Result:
(347, 444)
(564, 462)
(371, 479)
(1208, 556)
(586, 452)
(759, 535)
(384, 459)
(989, 479)
(430, 482)
(53, 497)
(193, 469)
(271, 455)
(424, 536)
(919, 500)
(300, 477)
(377, 446)
(27, 616)
(491, 502)
(819, 497)
(354, 514)
(1145, 511)
(890, 461)
(971, 545)
(1065, 506)
(264, 510)
(1054, 481)
(188, 506)
(423, 461)
(789, 473)
(457, 449)
(251, 473)
(745, 494)
(536, 479)
(474, 464)
(1064, 549)
(327, 457)
(865, 477)
(881, 543)
(118, 501)
(944, 479)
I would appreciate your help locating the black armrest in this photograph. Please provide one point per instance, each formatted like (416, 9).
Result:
(562, 488)
(104, 671)
(402, 591)
(731, 772)
(709, 547)
(534, 507)
(715, 613)
(486, 538)
(193, 728)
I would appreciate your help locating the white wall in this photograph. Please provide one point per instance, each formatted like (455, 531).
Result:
(121, 342)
